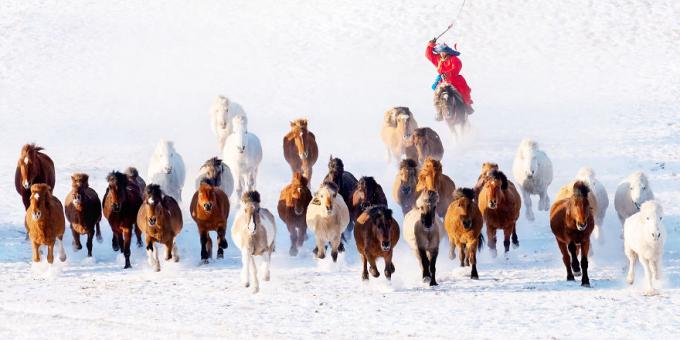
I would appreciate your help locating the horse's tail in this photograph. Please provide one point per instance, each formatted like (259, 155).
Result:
(480, 243)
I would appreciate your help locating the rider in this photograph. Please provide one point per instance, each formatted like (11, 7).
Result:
(448, 66)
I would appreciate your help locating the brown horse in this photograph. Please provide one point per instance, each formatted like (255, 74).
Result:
(368, 193)
(346, 183)
(463, 224)
(404, 187)
(83, 211)
(33, 167)
(424, 142)
(483, 176)
(292, 207)
(376, 234)
(210, 209)
(432, 178)
(121, 204)
(572, 222)
(160, 219)
(45, 222)
(133, 176)
(500, 203)
(300, 149)
(449, 105)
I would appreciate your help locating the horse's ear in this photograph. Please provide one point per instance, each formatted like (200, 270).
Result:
(292, 123)
(363, 218)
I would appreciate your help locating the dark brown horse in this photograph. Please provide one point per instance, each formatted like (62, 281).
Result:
(292, 207)
(449, 105)
(368, 193)
(210, 209)
(346, 183)
(121, 204)
(404, 187)
(376, 234)
(499, 204)
(464, 224)
(423, 143)
(572, 222)
(133, 176)
(33, 167)
(300, 149)
(83, 211)
(161, 220)
(431, 177)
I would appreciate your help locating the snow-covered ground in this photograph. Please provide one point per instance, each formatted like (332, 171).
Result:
(99, 83)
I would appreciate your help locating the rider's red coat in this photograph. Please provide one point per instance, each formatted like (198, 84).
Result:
(450, 69)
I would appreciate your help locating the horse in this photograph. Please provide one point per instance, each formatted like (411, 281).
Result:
(397, 128)
(596, 195)
(483, 177)
(533, 172)
(500, 204)
(216, 173)
(292, 209)
(254, 232)
(644, 238)
(160, 219)
(404, 187)
(328, 217)
(423, 231)
(33, 167)
(346, 183)
(121, 203)
(300, 149)
(450, 106)
(376, 234)
(630, 194)
(367, 193)
(222, 113)
(572, 222)
(243, 153)
(133, 176)
(83, 211)
(431, 177)
(424, 142)
(45, 222)
(463, 224)
(166, 168)
(210, 210)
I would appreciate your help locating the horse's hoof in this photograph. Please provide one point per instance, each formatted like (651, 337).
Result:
(341, 247)
(364, 276)
(474, 277)
(630, 280)
(127, 266)
(334, 255)
(494, 253)
(99, 239)
(433, 283)
(438, 118)
(577, 274)
(585, 284)
(650, 292)
(247, 284)
(427, 279)
(203, 261)
(321, 256)
(515, 245)
(315, 250)
(293, 251)
(175, 258)
(157, 269)
(570, 277)
(374, 272)
(62, 257)
(139, 244)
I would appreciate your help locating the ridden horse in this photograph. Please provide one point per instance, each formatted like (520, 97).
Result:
(222, 113)
(45, 222)
(572, 222)
(423, 231)
(483, 176)
(292, 208)
(499, 203)
(346, 183)
(449, 105)
(166, 168)
(463, 224)
(431, 177)
(254, 232)
(83, 211)
(367, 193)
(160, 219)
(376, 234)
(216, 173)
(300, 149)
(424, 143)
(243, 153)
(327, 217)
(210, 209)
(397, 128)
(133, 176)
(404, 187)
(33, 167)
(121, 204)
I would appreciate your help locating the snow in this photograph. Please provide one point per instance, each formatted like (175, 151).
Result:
(99, 83)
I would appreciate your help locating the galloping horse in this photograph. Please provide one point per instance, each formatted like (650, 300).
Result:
(121, 204)
(83, 211)
(499, 203)
(161, 220)
(300, 149)
(292, 208)
(432, 178)
(449, 104)
(33, 167)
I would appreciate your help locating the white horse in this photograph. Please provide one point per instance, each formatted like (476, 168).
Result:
(242, 153)
(644, 238)
(533, 172)
(222, 112)
(254, 232)
(327, 216)
(166, 168)
(631, 193)
(217, 173)
(587, 176)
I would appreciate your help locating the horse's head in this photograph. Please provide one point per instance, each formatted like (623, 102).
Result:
(419, 140)
(220, 111)
(335, 169)
(640, 191)
(463, 203)
(405, 125)
(579, 207)
(326, 196)
(207, 198)
(153, 207)
(494, 187)
(79, 183)
(366, 189)
(527, 156)
(298, 195)
(300, 135)
(430, 175)
(382, 225)
(426, 205)
(41, 194)
(651, 216)
(213, 171)
(408, 175)
(251, 209)
(486, 167)
(240, 124)
(117, 183)
(28, 164)
(165, 155)
(446, 98)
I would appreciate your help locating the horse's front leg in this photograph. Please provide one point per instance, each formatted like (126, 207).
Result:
(574, 259)
(98, 233)
(221, 241)
(320, 249)
(90, 237)
(364, 271)
(138, 235)
(292, 230)
(256, 282)
(424, 264)
(544, 201)
(127, 240)
(632, 257)
(585, 247)
(389, 266)
(76, 240)
(491, 243)
(245, 271)
(527, 204)
(566, 259)
(50, 253)
(461, 254)
(36, 251)
(62, 252)
(204, 238)
(335, 244)
(266, 261)
(507, 234)
(115, 243)
(471, 249)
(433, 265)
(169, 249)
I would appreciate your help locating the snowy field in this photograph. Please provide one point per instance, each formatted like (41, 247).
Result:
(99, 83)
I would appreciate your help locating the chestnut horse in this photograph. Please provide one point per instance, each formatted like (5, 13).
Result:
(292, 207)
(33, 167)
(160, 219)
(431, 177)
(376, 234)
(346, 183)
(121, 204)
(499, 203)
(300, 149)
(483, 176)
(133, 176)
(463, 224)
(83, 211)
(404, 187)
(367, 193)
(210, 209)
(45, 222)
(572, 222)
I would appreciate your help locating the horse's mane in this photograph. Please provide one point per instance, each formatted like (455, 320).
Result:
(375, 211)
(29, 148)
(118, 177)
(428, 196)
(369, 183)
(336, 165)
(132, 172)
(82, 178)
(499, 175)
(299, 180)
(331, 185)
(295, 127)
(212, 162)
(251, 197)
(420, 132)
(154, 190)
(528, 144)
(408, 164)
(464, 193)
(581, 189)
